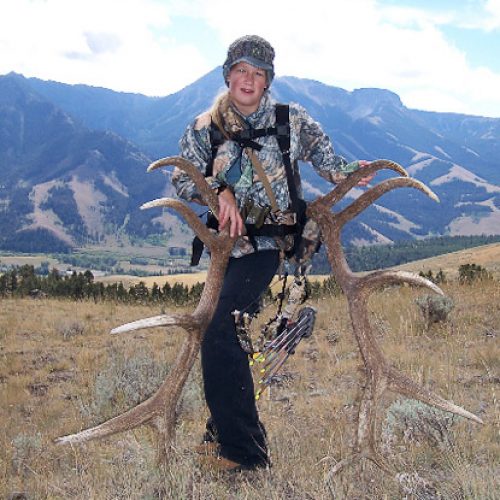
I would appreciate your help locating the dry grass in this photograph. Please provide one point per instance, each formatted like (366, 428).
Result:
(60, 371)
(486, 256)
(188, 279)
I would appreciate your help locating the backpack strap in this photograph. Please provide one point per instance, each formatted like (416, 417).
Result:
(197, 244)
(257, 165)
(283, 137)
(299, 206)
(216, 139)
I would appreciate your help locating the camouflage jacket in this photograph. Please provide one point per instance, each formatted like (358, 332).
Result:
(233, 167)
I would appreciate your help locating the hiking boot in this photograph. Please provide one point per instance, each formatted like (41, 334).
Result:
(208, 448)
(218, 464)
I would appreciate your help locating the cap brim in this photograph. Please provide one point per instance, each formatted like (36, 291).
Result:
(254, 62)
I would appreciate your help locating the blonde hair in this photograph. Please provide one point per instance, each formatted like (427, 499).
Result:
(224, 116)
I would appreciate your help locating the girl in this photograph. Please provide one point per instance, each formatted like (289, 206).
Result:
(256, 198)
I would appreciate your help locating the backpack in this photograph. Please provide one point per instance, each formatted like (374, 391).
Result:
(245, 138)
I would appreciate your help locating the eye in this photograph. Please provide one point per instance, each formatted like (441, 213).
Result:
(261, 74)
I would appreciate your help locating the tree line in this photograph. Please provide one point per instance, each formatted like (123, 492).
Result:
(368, 258)
(23, 281)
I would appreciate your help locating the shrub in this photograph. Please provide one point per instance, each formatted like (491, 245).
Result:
(331, 287)
(468, 273)
(124, 383)
(25, 448)
(127, 381)
(435, 308)
(440, 277)
(413, 421)
(69, 329)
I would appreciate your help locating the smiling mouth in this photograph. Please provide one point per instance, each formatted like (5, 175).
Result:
(247, 91)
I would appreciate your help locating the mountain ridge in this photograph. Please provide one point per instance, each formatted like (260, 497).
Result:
(73, 159)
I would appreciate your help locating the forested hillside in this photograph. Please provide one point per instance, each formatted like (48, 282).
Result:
(371, 257)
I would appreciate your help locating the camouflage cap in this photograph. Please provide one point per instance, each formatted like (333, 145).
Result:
(251, 49)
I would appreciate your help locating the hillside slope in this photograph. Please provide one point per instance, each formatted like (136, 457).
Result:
(487, 256)
(73, 159)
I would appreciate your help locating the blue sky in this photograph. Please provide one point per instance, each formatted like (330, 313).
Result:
(468, 28)
(437, 55)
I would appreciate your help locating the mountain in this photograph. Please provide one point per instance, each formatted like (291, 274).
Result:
(63, 184)
(73, 157)
(155, 124)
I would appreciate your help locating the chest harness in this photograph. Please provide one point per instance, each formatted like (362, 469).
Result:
(246, 139)
(280, 336)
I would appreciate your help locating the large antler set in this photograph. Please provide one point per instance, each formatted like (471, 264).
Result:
(159, 410)
(380, 375)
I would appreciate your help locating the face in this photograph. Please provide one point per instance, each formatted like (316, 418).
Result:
(246, 87)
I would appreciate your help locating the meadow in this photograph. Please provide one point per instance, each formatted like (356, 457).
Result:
(61, 372)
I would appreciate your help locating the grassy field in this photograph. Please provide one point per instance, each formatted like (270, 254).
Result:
(60, 372)
(188, 279)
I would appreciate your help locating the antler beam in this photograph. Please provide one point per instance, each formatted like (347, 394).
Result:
(380, 374)
(158, 411)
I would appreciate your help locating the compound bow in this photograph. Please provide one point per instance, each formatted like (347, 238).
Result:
(281, 335)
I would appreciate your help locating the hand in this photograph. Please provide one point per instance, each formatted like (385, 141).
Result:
(229, 213)
(365, 180)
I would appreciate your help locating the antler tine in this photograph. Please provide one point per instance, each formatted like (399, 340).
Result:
(207, 194)
(162, 403)
(184, 321)
(199, 316)
(192, 219)
(366, 199)
(381, 278)
(400, 383)
(352, 180)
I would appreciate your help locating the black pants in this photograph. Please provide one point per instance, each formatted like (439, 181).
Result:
(229, 389)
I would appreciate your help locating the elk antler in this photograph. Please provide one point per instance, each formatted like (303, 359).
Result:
(380, 375)
(159, 410)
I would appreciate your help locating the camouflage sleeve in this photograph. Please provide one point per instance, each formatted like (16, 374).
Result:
(315, 147)
(195, 147)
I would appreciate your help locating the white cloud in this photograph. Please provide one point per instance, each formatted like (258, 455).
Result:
(361, 43)
(477, 14)
(102, 42)
(492, 9)
(134, 45)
